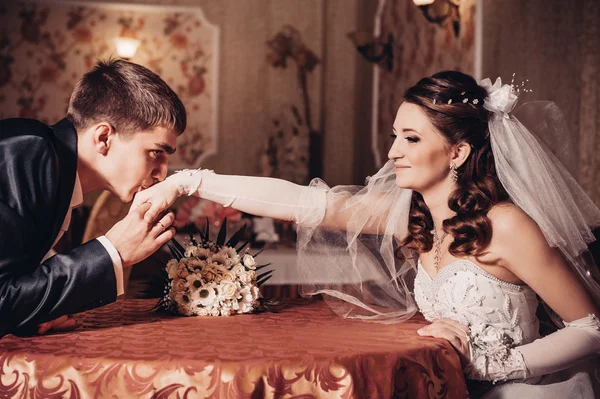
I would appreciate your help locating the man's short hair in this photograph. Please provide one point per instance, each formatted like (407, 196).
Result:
(128, 96)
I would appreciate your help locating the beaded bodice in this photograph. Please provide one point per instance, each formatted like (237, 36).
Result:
(464, 292)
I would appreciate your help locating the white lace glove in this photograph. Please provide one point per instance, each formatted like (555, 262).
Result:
(162, 195)
(260, 196)
(564, 348)
(187, 181)
(492, 358)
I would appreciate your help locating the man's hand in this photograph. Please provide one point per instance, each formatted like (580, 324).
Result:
(63, 323)
(160, 196)
(135, 238)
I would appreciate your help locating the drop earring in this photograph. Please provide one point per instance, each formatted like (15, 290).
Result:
(453, 172)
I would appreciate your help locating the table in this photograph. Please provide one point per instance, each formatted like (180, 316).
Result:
(126, 350)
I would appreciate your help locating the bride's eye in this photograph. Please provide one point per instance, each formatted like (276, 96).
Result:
(411, 139)
(393, 135)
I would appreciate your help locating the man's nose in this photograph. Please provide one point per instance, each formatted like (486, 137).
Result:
(160, 173)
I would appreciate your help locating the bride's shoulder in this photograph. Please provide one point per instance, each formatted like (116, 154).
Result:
(506, 214)
(511, 225)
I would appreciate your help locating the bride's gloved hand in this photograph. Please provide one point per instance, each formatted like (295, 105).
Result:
(162, 195)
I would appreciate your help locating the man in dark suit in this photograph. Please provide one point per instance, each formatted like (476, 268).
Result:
(121, 125)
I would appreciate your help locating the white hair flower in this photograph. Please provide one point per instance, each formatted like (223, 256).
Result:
(501, 98)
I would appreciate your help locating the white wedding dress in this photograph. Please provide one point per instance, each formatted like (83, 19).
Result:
(502, 313)
(505, 341)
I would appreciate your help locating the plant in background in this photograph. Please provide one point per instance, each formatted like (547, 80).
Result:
(286, 150)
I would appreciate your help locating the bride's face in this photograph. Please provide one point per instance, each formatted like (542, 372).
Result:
(420, 153)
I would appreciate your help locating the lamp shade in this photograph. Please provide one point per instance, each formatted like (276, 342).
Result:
(126, 47)
(423, 2)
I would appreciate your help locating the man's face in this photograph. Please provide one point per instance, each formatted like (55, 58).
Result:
(137, 161)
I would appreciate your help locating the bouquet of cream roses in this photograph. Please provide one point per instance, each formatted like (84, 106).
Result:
(207, 278)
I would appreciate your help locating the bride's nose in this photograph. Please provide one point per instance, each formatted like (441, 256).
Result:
(395, 151)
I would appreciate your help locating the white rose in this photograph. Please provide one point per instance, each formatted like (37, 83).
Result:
(214, 312)
(249, 261)
(238, 269)
(228, 276)
(248, 277)
(228, 289)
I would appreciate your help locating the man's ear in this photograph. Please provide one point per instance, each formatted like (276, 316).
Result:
(103, 134)
(460, 153)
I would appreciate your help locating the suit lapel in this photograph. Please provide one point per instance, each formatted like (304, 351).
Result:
(66, 150)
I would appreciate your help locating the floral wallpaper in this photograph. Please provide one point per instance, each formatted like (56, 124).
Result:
(46, 47)
(421, 48)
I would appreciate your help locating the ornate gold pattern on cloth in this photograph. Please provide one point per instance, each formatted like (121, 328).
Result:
(126, 350)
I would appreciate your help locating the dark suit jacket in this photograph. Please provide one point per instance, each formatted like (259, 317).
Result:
(38, 164)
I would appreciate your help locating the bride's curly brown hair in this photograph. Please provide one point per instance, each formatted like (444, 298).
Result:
(442, 98)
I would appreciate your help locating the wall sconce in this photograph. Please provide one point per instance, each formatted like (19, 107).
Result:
(438, 11)
(127, 43)
(127, 47)
(373, 49)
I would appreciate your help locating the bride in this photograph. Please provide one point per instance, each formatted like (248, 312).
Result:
(471, 222)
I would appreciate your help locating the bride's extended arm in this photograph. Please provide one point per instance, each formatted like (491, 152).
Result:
(264, 196)
(528, 256)
(261, 196)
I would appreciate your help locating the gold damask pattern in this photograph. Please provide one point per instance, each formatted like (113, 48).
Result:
(126, 350)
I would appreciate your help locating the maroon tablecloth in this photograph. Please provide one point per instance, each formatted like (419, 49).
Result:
(124, 350)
